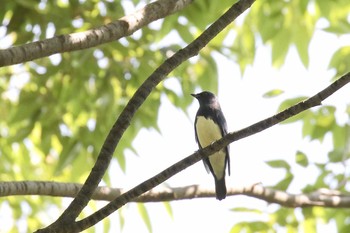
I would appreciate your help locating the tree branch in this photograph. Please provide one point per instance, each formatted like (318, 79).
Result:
(65, 223)
(205, 152)
(115, 30)
(322, 197)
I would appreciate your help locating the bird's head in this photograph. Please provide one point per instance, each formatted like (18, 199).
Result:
(206, 98)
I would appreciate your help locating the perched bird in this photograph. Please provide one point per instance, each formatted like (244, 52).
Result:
(210, 126)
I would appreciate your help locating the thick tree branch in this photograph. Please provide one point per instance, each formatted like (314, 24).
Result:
(321, 197)
(115, 30)
(65, 223)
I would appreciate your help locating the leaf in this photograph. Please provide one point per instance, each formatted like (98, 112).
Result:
(341, 27)
(106, 225)
(302, 45)
(340, 135)
(67, 155)
(169, 209)
(144, 215)
(280, 47)
(284, 184)
(167, 26)
(207, 74)
(273, 93)
(121, 218)
(308, 124)
(336, 156)
(301, 159)
(278, 164)
(341, 60)
(244, 209)
(259, 226)
(184, 33)
(121, 161)
(304, 25)
(322, 122)
(250, 227)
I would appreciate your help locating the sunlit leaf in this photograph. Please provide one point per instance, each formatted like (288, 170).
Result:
(273, 93)
(278, 164)
(340, 60)
(301, 159)
(284, 184)
(280, 47)
(144, 215)
(244, 209)
(169, 209)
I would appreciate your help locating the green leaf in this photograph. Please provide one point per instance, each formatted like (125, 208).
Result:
(341, 60)
(244, 209)
(167, 26)
(68, 154)
(106, 225)
(184, 33)
(323, 121)
(251, 227)
(280, 47)
(284, 184)
(237, 228)
(301, 159)
(121, 161)
(207, 74)
(244, 46)
(341, 27)
(336, 155)
(309, 224)
(169, 209)
(340, 135)
(302, 45)
(278, 164)
(144, 215)
(308, 124)
(259, 226)
(121, 218)
(273, 93)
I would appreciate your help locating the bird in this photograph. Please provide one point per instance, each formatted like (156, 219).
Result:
(210, 125)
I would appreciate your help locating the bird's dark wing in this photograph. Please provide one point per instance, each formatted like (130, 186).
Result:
(220, 120)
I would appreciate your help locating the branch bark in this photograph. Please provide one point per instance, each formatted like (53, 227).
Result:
(115, 30)
(322, 197)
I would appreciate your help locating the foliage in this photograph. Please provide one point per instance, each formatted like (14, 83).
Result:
(57, 111)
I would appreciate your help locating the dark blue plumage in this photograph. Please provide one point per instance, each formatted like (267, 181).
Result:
(210, 125)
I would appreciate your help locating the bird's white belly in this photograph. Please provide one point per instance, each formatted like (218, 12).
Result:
(207, 133)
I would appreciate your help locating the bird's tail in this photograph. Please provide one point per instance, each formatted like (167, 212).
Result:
(220, 188)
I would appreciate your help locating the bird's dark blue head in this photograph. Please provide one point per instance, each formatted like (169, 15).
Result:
(206, 98)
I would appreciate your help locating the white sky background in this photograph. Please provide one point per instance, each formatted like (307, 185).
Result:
(242, 103)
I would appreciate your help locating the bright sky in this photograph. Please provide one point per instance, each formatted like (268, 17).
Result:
(242, 102)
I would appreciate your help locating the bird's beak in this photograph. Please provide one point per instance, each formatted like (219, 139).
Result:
(194, 95)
